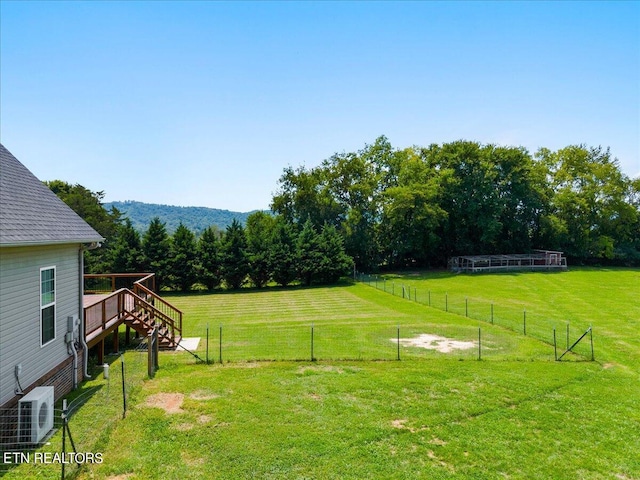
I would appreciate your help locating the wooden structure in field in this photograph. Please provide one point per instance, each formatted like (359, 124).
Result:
(536, 260)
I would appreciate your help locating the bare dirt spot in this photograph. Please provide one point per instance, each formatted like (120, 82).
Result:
(401, 425)
(204, 419)
(183, 427)
(437, 441)
(169, 402)
(315, 396)
(435, 342)
(203, 395)
(609, 365)
(122, 476)
(192, 460)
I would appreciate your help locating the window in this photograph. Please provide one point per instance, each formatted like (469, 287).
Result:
(47, 305)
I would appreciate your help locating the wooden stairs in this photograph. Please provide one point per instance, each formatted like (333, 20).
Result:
(137, 306)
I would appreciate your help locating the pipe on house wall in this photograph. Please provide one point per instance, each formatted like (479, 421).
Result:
(85, 347)
(71, 346)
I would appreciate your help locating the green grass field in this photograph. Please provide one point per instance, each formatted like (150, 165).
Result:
(516, 414)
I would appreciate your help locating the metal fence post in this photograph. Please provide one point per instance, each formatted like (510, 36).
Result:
(398, 342)
(312, 359)
(124, 392)
(524, 321)
(479, 343)
(555, 345)
(220, 353)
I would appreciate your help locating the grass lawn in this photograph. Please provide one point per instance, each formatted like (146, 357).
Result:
(516, 414)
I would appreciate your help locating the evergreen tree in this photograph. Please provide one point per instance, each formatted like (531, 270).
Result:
(209, 258)
(183, 258)
(282, 257)
(156, 248)
(334, 261)
(307, 253)
(235, 262)
(126, 250)
(259, 232)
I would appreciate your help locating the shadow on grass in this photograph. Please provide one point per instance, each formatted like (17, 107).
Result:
(268, 288)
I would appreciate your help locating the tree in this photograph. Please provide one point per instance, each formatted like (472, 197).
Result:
(282, 258)
(307, 253)
(209, 258)
(235, 262)
(88, 205)
(411, 214)
(183, 258)
(259, 233)
(126, 250)
(590, 215)
(156, 248)
(334, 261)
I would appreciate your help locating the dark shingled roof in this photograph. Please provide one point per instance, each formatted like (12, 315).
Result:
(31, 214)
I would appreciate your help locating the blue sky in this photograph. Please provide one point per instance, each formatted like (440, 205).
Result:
(204, 103)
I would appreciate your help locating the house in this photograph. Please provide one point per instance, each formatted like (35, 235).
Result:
(41, 286)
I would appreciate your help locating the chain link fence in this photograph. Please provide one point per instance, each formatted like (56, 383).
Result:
(568, 338)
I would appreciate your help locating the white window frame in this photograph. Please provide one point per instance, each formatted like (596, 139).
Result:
(44, 306)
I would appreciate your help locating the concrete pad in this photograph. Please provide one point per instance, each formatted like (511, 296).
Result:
(189, 344)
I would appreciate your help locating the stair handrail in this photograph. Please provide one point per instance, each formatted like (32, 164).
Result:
(169, 310)
(164, 318)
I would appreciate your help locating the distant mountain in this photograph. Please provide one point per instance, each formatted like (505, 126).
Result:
(195, 218)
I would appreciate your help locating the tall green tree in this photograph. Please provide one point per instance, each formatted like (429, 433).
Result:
(156, 248)
(282, 256)
(334, 261)
(183, 258)
(234, 258)
(88, 205)
(210, 258)
(307, 253)
(590, 215)
(411, 215)
(126, 250)
(259, 232)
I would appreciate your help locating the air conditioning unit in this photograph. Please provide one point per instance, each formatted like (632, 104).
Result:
(35, 415)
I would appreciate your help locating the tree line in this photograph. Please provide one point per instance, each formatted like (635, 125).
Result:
(420, 206)
(267, 249)
(384, 207)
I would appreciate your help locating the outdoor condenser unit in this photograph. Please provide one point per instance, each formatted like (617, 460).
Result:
(35, 415)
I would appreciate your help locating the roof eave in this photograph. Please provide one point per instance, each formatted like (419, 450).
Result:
(40, 243)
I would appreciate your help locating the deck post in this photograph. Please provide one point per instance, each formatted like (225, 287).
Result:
(116, 340)
(100, 347)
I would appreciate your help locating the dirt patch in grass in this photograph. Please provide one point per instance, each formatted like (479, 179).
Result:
(435, 342)
(169, 402)
(401, 425)
(122, 476)
(203, 395)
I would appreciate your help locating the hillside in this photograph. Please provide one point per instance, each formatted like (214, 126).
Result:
(194, 218)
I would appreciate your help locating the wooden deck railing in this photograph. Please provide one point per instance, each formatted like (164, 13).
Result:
(122, 306)
(96, 283)
(129, 294)
(159, 303)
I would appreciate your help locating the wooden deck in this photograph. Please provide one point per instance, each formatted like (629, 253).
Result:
(139, 308)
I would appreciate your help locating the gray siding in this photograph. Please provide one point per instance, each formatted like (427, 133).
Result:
(20, 311)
